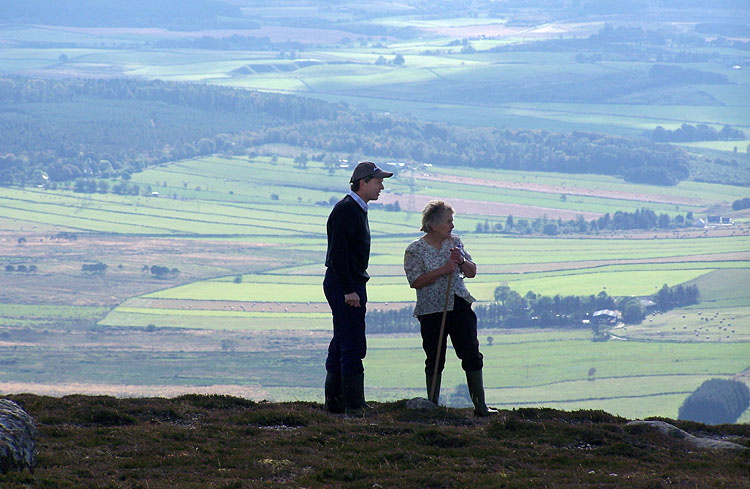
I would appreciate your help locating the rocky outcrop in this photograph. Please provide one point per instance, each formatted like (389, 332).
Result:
(17, 438)
(420, 403)
(696, 441)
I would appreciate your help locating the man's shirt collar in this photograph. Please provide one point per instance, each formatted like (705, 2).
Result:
(358, 200)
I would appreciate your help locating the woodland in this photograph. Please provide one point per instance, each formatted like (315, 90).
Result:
(167, 121)
(512, 310)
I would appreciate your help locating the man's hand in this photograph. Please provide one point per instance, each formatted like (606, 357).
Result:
(352, 299)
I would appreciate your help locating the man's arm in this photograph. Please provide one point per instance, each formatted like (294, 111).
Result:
(340, 230)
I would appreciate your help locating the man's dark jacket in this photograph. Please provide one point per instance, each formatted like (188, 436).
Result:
(348, 243)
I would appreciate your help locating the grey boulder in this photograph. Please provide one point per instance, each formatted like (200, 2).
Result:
(17, 438)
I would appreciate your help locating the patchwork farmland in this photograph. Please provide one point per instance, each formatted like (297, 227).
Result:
(247, 236)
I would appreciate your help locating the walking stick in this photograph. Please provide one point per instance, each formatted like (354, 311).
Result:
(433, 394)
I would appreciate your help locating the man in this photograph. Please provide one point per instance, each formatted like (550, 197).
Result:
(344, 286)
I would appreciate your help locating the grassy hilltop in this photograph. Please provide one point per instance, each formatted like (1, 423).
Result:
(202, 442)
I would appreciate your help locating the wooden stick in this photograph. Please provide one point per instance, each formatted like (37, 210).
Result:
(433, 394)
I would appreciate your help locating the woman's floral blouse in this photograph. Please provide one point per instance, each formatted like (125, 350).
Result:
(421, 257)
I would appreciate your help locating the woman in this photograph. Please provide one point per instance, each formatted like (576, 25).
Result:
(432, 263)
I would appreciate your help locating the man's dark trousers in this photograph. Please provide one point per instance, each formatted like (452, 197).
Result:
(348, 346)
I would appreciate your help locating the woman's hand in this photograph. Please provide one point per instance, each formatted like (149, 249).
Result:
(467, 267)
(449, 266)
(457, 257)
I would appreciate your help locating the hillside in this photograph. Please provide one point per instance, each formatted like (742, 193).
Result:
(61, 130)
(227, 442)
(172, 14)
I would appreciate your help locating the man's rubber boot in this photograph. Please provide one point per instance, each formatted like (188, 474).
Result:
(354, 394)
(429, 378)
(334, 395)
(476, 391)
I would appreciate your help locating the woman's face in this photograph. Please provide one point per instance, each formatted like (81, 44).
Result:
(443, 225)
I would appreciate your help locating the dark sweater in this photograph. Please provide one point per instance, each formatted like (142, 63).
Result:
(348, 243)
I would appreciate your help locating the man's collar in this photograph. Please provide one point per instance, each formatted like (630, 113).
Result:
(358, 200)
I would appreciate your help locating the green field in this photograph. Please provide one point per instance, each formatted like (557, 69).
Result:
(197, 197)
(394, 288)
(217, 320)
(237, 196)
(522, 368)
(230, 200)
(552, 370)
(48, 316)
(252, 201)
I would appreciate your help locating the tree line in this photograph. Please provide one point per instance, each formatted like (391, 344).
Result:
(700, 132)
(513, 310)
(97, 268)
(529, 150)
(640, 219)
(740, 204)
(625, 43)
(160, 271)
(716, 401)
(669, 298)
(110, 128)
(21, 268)
(669, 75)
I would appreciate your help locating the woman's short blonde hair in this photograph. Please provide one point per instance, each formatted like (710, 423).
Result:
(433, 212)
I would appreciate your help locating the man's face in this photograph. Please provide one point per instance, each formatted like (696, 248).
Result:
(370, 190)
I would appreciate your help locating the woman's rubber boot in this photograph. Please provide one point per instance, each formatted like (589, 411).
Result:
(429, 378)
(476, 391)
(354, 394)
(334, 395)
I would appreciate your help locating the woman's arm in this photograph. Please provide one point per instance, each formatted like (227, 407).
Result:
(429, 277)
(463, 259)
(468, 267)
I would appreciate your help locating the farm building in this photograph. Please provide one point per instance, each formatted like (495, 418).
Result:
(713, 221)
(648, 305)
(606, 316)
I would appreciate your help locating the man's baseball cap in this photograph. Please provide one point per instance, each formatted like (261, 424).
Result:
(366, 169)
